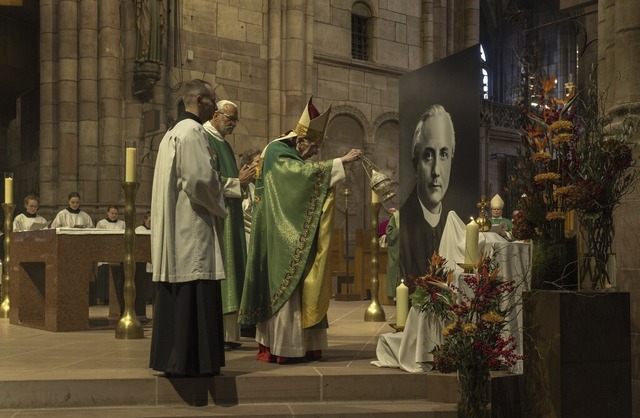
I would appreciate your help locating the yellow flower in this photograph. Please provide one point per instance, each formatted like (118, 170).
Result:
(561, 139)
(561, 125)
(449, 328)
(562, 191)
(540, 156)
(552, 177)
(468, 328)
(553, 216)
(492, 317)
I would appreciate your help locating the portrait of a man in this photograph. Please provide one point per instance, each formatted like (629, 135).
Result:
(440, 154)
(433, 149)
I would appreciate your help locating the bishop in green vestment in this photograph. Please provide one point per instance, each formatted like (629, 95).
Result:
(234, 245)
(287, 283)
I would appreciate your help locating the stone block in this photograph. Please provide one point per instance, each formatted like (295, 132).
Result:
(248, 16)
(333, 89)
(356, 77)
(401, 33)
(254, 111)
(392, 53)
(332, 72)
(375, 81)
(228, 69)
(385, 29)
(357, 93)
(322, 11)
(255, 34)
(332, 40)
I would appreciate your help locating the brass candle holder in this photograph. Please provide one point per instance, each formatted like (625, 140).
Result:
(8, 230)
(374, 312)
(129, 327)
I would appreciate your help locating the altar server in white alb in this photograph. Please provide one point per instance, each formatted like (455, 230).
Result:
(111, 222)
(187, 209)
(30, 218)
(72, 216)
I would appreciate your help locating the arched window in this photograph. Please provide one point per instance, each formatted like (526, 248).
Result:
(360, 31)
(485, 75)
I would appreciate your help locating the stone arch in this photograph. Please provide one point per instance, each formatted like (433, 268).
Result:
(387, 144)
(355, 114)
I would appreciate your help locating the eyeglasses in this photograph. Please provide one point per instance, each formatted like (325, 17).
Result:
(229, 117)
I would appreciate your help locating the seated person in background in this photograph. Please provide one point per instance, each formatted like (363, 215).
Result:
(146, 224)
(25, 221)
(111, 221)
(72, 217)
(497, 204)
(102, 279)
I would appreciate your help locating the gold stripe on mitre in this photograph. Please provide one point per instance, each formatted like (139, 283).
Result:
(311, 134)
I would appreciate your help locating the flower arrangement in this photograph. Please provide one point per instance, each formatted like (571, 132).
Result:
(432, 291)
(546, 165)
(475, 323)
(473, 341)
(546, 171)
(606, 172)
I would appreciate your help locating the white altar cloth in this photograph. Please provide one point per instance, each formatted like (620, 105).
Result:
(410, 350)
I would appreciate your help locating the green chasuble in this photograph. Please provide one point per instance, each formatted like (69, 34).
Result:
(292, 216)
(234, 245)
(393, 253)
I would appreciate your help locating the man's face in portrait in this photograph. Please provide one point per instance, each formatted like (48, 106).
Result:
(434, 154)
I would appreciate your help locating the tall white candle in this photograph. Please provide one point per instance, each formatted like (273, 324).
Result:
(402, 304)
(8, 190)
(471, 242)
(374, 197)
(130, 165)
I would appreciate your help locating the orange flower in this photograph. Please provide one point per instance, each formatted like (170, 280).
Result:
(549, 84)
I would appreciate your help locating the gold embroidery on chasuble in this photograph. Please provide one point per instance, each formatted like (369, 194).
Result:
(303, 238)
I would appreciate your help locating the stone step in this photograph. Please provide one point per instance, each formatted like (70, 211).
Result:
(386, 409)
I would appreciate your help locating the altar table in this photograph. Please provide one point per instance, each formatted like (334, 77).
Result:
(50, 271)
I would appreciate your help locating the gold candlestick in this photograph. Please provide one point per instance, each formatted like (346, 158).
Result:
(8, 230)
(374, 312)
(483, 222)
(128, 327)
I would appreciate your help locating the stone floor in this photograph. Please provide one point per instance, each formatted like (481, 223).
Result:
(93, 373)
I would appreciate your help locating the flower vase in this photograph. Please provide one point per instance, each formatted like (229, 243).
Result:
(553, 264)
(597, 272)
(473, 385)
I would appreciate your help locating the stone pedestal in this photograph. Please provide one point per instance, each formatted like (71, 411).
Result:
(579, 354)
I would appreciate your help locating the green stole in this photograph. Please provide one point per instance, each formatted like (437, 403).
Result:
(292, 216)
(234, 245)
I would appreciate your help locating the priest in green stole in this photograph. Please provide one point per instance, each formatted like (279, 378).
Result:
(287, 283)
(234, 245)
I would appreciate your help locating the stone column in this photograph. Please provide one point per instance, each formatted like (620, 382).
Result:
(274, 105)
(87, 98)
(294, 62)
(67, 100)
(111, 142)
(427, 32)
(619, 72)
(48, 109)
(471, 23)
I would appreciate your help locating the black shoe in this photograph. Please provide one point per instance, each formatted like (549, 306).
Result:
(231, 345)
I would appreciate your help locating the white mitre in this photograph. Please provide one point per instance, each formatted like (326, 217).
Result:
(497, 202)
